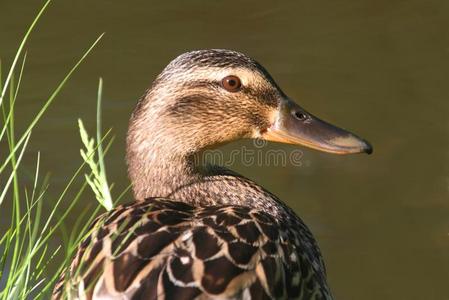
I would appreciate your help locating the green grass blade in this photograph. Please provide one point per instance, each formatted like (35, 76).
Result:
(49, 101)
(20, 49)
(13, 172)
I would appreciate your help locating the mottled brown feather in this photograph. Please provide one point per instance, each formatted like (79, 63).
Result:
(188, 258)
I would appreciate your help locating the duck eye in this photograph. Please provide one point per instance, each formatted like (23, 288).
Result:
(231, 83)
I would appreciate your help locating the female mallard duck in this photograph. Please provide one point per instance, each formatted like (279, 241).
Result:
(198, 231)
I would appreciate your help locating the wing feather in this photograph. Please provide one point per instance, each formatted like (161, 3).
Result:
(162, 249)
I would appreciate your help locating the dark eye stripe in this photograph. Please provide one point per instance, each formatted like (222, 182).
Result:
(201, 84)
(268, 95)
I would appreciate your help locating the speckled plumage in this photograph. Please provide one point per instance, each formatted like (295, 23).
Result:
(197, 231)
(162, 249)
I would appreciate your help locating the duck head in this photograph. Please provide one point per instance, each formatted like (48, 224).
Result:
(206, 98)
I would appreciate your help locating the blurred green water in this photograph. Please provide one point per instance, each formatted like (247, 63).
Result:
(379, 68)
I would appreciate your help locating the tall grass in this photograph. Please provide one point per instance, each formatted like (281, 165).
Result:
(25, 249)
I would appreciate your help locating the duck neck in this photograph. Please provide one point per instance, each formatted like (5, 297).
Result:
(164, 161)
(157, 170)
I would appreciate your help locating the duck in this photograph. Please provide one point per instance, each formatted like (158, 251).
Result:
(196, 230)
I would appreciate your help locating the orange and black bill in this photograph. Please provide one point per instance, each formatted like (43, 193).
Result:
(293, 125)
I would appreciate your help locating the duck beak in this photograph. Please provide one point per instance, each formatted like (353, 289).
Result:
(293, 125)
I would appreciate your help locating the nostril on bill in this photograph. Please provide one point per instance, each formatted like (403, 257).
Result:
(300, 116)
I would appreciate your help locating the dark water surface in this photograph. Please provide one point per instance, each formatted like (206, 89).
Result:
(379, 68)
